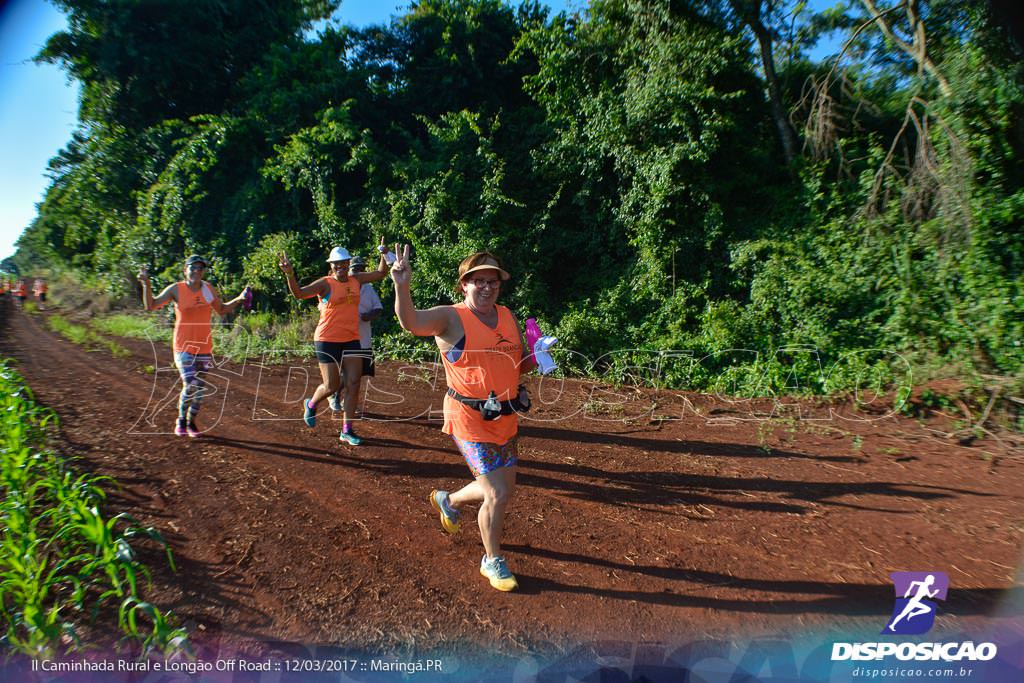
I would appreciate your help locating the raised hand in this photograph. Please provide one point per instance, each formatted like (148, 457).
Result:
(143, 274)
(401, 270)
(284, 264)
(385, 253)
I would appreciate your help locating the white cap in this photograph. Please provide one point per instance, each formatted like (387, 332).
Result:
(339, 254)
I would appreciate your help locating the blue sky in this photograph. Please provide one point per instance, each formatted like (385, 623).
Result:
(37, 113)
(38, 104)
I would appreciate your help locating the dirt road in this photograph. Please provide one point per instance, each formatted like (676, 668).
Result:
(629, 522)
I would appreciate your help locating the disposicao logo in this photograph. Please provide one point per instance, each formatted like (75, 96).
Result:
(914, 614)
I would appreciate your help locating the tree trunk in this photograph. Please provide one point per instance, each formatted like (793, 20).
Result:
(750, 12)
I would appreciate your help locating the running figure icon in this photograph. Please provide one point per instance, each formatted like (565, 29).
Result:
(916, 596)
(915, 607)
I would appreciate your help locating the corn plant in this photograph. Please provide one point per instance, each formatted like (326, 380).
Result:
(61, 559)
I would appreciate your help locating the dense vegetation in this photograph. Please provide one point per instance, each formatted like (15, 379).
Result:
(658, 174)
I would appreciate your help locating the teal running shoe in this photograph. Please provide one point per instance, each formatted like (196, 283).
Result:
(449, 515)
(335, 401)
(498, 573)
(350, 438)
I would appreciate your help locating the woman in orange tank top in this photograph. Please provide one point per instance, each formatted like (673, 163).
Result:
(20, 292)
(194, 300)
(483, 354)
(336, 339)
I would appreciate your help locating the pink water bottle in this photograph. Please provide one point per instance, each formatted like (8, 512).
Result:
(533, 333)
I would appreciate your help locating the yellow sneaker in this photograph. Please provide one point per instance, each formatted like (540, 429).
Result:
(449, 515)
(497, 572)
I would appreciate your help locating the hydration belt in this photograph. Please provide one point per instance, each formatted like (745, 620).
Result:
(491, 408)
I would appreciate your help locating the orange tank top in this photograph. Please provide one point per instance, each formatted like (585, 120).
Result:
(19, 289)
(339, 312)
(489, 362)
(192, 333)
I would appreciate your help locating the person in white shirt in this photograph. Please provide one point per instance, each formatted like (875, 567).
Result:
(370, 309)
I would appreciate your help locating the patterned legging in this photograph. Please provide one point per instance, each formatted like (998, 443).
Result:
(191, 368)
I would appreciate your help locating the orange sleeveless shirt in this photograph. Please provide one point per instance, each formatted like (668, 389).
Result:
(489, 362)
(339, 313)
(192, 333)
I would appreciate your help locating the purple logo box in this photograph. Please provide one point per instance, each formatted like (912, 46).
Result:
(914, 611)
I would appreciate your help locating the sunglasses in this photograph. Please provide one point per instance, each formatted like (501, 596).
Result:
(480, 282)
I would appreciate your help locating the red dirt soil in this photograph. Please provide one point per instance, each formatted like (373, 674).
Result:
(652, 516)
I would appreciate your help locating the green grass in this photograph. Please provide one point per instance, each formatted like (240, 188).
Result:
(134, 326)
(254, 335)
(76, 334)
(259, 335)
(61, 560)
(83, 336)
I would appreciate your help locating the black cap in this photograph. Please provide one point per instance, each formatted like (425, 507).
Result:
(195, 258)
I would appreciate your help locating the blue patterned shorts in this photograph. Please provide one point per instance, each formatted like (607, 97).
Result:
(484, 458)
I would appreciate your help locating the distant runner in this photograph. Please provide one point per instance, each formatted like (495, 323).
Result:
(336, 339)
(483, 354)
(194, 300)
(20, 292)
(39, 289)
(370, 309)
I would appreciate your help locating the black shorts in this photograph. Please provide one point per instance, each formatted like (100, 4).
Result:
(42, 297)
(332, 352)
(369, 368)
